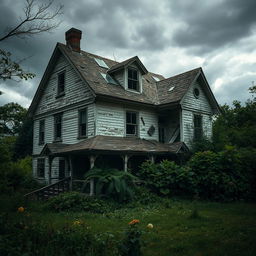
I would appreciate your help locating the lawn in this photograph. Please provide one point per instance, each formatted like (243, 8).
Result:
(181, 227)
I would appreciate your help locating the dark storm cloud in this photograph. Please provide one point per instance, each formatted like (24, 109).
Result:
(208, 25)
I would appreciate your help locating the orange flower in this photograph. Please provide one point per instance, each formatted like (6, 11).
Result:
(135, 221)
(21, 209)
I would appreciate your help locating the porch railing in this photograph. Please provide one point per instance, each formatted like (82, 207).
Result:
(51, 190)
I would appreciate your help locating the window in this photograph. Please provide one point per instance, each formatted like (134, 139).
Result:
(161, 134)
(109, 79)
(196, 92)
(157, 79)
(131, 124)
(133, 80)
(82, 123)
(101, 63)
(58, 127)
(61, 83)
(41, 132)
(40, 167)
(198, 129)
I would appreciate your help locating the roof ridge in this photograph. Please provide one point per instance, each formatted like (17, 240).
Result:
(179, 74)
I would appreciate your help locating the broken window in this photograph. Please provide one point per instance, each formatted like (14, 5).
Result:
(58, 127)
(83, 123)
(41, 132)
(61, 84)
(133, 79)
(40, 167)
(198, 127)
(131, 124)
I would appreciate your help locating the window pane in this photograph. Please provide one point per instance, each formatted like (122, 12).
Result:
(61, 83)
(40, 167)
(58, 126)
(131, 129)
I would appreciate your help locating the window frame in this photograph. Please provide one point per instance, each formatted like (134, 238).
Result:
(41, 138)
(40, 163)
(136, 125)
(198, 129)
(79, 123)
(61, 85)
(137, 80)
(58, 138)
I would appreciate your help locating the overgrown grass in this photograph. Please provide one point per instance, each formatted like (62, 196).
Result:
(180, 227)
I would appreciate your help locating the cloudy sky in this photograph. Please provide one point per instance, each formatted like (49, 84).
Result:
(169, 36)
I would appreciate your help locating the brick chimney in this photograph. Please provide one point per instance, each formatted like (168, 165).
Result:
(73, 37)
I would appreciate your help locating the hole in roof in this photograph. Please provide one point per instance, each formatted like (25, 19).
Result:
(109, 79)
(101, 63)
(156, 78)
(171, 88)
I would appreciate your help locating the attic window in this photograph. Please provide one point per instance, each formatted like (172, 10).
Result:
(109, 79)
(101, 63)
(133, 79)
(171, 88)
(156, 78)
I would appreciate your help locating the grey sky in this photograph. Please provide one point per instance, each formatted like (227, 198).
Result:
(170, 37)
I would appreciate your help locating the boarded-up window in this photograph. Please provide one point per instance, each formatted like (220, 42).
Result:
(133, 80)
(198, 127)
(58, 126)
(131, 124)
(61, 83)
(41, 131)
(83, 123)
(40, 167)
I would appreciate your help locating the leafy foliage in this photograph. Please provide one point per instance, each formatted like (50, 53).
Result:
(12, 116)
(113, 183)
(167, 178)
(75, 201)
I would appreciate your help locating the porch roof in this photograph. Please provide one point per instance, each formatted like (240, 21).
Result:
(115, 144)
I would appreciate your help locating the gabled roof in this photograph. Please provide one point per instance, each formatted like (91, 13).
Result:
(115, 144)
(154, 93)
(128, 62)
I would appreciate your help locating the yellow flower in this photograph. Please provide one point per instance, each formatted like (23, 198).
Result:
(135, 221)
(76, 223)
(21, 209)
(150, 225)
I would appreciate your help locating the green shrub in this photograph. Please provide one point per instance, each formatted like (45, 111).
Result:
(75, 201)
(167, 178)
(118, 185)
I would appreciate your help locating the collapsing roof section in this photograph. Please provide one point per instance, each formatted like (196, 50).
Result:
(154, 92)
(115, 144)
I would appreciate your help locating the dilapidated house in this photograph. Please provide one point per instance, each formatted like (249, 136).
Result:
(92, 111)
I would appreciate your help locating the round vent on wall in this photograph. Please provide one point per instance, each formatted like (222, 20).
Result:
(196, 92)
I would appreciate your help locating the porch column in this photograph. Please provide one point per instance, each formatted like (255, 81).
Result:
(70, 172)
(50, 158)
(152, 159)
(125, 160)
(92, 161)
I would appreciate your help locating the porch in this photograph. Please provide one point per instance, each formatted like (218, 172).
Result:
(120, 153)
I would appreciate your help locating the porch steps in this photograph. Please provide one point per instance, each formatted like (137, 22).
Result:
(51, 190)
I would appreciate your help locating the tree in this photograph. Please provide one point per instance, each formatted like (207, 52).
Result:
(12, 116)
(37, 18)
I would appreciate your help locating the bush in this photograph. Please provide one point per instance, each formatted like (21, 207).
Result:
(221, 176)
(167, 178)
(112, 183)
(75, 201)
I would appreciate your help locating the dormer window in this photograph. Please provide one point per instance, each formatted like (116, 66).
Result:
(101, 63)
(133, 79)
(61, 84)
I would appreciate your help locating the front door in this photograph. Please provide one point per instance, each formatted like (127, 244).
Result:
(61, 169)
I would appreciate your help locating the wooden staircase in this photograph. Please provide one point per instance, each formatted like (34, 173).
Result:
(50, 190)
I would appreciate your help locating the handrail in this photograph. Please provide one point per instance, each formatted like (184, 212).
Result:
(47, 187)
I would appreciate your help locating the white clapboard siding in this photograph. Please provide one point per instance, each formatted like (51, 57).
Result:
(75, 89)
(199, 104)
(150, 118)
(119, 76)
(188, 126)
(110, 120)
